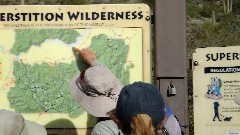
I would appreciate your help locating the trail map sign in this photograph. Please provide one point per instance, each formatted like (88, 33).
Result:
(36, 59)
(216, 81)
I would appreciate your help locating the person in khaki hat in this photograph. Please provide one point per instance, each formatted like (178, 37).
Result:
(96, 88)
(101, 87)
(12, 123)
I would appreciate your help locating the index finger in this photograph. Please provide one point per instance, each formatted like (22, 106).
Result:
(76, 50)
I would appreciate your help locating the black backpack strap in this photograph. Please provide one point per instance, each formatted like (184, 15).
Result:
(163, 131)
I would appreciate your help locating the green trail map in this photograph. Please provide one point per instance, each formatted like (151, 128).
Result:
(37, 64)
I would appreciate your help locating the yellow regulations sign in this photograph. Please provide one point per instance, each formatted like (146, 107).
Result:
(36, 59)
(216, 82)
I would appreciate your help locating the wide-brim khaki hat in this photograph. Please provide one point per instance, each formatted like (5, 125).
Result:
(12, 123)
(97, 91)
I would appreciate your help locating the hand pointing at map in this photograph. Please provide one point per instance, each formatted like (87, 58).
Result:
(87, 55)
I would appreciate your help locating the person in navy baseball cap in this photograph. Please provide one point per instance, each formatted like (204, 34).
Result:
(140, 98)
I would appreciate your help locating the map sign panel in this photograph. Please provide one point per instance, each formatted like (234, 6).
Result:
(216, 83)
(37, 64)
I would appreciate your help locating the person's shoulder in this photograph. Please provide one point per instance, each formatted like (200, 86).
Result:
(172, 125)
(107, 127)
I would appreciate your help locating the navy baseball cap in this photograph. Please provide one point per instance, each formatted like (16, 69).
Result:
(140, 98)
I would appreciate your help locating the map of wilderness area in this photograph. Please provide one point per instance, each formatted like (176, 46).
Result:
(41, 86)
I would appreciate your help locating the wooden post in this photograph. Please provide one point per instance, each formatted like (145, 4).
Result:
(170, 55)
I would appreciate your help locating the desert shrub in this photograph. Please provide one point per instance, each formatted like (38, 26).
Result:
(208, 7)
(74, 2)
(193, 10)
(3, 2)
(236, 5)
(226, 33)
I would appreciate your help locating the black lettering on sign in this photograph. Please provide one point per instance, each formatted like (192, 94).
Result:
(222, 56)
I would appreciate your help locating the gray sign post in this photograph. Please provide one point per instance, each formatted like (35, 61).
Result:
(170, 55)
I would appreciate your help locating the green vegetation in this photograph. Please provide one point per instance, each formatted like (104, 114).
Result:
(213, 18)
(113, 53)
(193, 10)
(190, 102)
(224, 30)
(24, 38)
(42, 88)
(226, 33)
(227, 6)
(3, 2)
(236, 5)
(74, 2)
(210, 24)
(204, 9)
